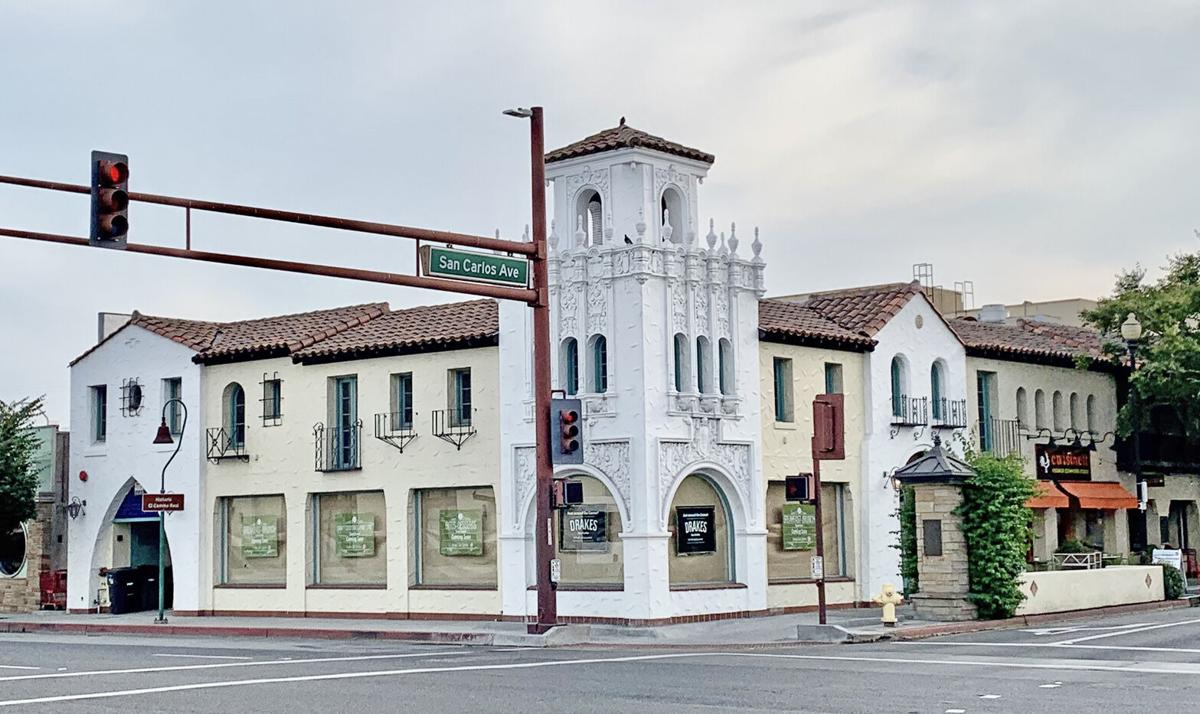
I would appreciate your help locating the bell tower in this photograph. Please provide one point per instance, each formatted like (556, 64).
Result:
(655, 328)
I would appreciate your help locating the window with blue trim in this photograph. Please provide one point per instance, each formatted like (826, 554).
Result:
(782, 371)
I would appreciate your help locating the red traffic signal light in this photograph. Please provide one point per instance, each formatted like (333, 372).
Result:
(798, 488)
(566, 419)
(110, 200)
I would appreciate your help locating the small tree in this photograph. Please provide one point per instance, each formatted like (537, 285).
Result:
(18, 472)
(997, 526)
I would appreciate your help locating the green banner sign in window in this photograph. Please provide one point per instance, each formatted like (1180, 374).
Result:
(460, 532)
(260, 536)
(799, 526)
(354, 534)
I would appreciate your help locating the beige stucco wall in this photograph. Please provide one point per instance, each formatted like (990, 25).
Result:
(787, 447)
(282, 462)
(1063, 590)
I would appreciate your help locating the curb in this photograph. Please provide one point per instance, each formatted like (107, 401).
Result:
(457, 638)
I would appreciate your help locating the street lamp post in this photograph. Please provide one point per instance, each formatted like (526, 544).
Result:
(164, 437)
(1131, 332)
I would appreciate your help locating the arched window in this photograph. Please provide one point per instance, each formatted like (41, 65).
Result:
(1022, 408)
(1091, 413)
(703, 365)
(1075, 420)
(590, 545)
(701, 533)
(671, 218)
(598, 382)
(1059, 413)
(570, 366)
(682, 371)
(725, 365)
(936, 378)
(589, 211)
(1039, 409)
(898, 385)
(234, 408)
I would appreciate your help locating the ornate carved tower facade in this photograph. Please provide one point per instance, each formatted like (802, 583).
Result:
(655, 328)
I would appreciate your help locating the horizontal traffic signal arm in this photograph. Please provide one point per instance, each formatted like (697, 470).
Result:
(525, 295)
(307, 219)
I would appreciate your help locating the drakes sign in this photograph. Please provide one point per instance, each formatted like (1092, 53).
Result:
(583, 529)
(695, 530)
(1063, 463)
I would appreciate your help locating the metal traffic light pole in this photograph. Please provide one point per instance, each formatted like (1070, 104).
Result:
(537, 296)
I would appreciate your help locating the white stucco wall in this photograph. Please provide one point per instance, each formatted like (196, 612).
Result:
(919, 334)
(128, 454)
(1065, 590)
(282, 462)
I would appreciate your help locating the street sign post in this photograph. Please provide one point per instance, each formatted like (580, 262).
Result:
(455, 264)
(162, 502)
(828, 444)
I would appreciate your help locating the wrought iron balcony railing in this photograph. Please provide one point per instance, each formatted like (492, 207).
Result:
(453, 426)
(1000, 437)
(910, 411)
(337, 448)
(225, 444)
(950, 413)
(395, 428)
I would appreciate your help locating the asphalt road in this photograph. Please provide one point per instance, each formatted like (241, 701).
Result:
(1132, 663)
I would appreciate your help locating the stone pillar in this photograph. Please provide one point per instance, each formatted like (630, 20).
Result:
(1045, 531)
(942, 562)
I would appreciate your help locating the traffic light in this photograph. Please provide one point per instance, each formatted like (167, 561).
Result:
(798, 488)
(566, 420)
(110, 200)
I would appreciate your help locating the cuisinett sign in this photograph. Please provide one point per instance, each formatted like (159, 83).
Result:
(1063, 463)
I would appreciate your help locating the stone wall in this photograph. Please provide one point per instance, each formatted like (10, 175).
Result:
(945, 578)
(23, 593)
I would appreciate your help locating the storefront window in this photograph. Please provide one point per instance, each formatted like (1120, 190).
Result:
(455, 542)
(253, 541)
(350, 538)
(700, 550)
(589, 544)
(791, 538)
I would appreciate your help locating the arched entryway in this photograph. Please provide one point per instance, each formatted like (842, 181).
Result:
(127, 552)
(587, 539)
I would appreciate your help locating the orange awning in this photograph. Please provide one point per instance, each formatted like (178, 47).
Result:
(1104, 495)
(1048, 497)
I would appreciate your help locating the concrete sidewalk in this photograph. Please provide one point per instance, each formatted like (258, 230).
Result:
(844, 626)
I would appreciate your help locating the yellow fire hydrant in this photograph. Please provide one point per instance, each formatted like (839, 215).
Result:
(889, 599)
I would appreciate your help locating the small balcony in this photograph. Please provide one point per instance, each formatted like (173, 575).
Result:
(950, 413)
(910, 411)
(337, 448)
(395, 429)
(1000, 437)
(226, 444)
(454, 426)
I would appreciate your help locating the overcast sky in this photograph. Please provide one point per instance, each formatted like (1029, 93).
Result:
(1033, 148)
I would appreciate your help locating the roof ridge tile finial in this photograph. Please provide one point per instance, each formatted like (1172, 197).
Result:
(756, 246)
(622, 122)
(733, 241)
(711, 238)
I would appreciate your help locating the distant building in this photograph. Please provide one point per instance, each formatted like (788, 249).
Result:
(38, 546)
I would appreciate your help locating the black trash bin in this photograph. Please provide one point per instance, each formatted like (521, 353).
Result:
(124, 591)
(147, 576)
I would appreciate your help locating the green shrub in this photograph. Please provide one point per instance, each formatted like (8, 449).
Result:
(908, 540)
(1073, 546)
(997, 526)
(1173, 585)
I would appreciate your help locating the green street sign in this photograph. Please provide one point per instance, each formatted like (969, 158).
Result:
(455, 264)
(799, 526)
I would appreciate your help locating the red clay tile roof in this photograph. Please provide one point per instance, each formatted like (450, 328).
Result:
(624, 136)
(862, 310)
(216, 342)
(474, 323)
(1028, 340)
(780, 320)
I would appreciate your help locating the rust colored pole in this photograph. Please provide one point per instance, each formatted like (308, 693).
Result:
(820, 525)
(305, 219)
(543, 531)
(454, 286)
